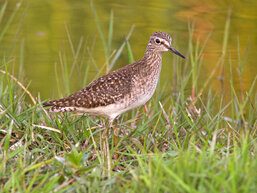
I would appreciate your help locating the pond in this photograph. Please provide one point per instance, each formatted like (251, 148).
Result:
(37, 40)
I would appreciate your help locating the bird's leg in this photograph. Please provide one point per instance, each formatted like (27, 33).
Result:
(105, 139)
(104, 135)
(116, 139)
(105, 148)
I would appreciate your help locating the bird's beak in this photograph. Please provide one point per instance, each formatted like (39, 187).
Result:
(176, 52)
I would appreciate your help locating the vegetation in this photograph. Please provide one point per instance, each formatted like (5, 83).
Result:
(176, 143)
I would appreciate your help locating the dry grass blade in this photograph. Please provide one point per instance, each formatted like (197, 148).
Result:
(48, 128)
(64, 185)
(21, 85)
(165, 114)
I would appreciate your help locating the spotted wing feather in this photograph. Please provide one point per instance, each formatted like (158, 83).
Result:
(106, 90)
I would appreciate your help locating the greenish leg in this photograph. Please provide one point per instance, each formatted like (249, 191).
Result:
(104, 142)
(116, 139)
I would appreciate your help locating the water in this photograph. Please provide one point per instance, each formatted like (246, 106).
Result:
(41, 30)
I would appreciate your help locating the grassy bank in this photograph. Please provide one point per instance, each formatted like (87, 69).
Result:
(177, 142)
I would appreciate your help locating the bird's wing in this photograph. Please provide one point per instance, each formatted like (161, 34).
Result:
(106, 90)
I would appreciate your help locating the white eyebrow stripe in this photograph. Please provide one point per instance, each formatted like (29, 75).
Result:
(165, 42)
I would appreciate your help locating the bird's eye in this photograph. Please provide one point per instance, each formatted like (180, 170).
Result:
(157, 41)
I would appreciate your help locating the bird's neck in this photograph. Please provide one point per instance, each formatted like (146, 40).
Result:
(152, 58)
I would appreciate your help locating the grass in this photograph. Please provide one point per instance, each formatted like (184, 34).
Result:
(175, 143)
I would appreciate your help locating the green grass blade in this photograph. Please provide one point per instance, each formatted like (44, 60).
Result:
(99, 27)
(130, 54)
(110, 34)
(8, 137)
(9, 84)
(2, 11)
(9, 21)
(117, 55)
(226, 32)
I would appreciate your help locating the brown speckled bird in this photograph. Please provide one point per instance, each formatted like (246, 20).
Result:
(123, 89)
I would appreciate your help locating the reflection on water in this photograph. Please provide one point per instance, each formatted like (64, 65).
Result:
(43, 31)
